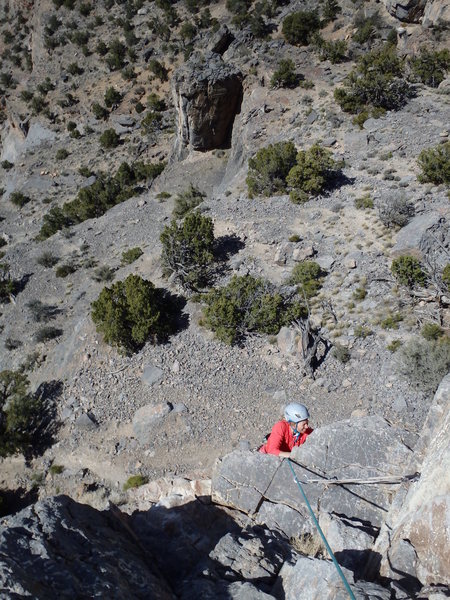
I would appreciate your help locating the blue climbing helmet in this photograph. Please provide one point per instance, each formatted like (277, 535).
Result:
(296, 412)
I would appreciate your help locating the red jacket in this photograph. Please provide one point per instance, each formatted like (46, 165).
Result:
(281, 439)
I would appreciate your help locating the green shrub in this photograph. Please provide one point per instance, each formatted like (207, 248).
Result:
(268, 169)
(430, 67)
(20, 413)
(66, 269)
(132, 311)
(62, 154)
(360, 293)
(56, 469)
(188, 250)
(109, 139)
(364, 202)
(155, 103)
(5, 164)
(285, 75)
(104, 274)
(366, 28)
(152, 122)
(313, 172)
(334, 51)
(299, 26)
(396, 210)
(115, 58)
(248, 304)
(308, 276)
(47, 260)
(330, 11)
(112, 97)
(135, 481)
(446, 275)
(362, 332)
(19, 199)
(129, 256)
(101, 48)
(408, 271)
(100, 112)
(74, 69)
(341, 353)
(375, 82)
(392, 321)
(187, 201)
(94, 200)
(394, 346)
(158, 70)
(432, 331)
(435, 164)
(424, 363)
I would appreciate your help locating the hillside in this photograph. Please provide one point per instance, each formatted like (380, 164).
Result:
(350, 245)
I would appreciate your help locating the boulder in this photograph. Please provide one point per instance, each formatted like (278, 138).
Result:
(207, 95)
(287, 340)
(263, 486)
(146, 418)
(315, 579)
(86, 422)
(152, 374)
(425, 234)
(410, 11)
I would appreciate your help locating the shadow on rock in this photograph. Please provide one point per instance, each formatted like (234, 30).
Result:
(44, 425)
(12, 501)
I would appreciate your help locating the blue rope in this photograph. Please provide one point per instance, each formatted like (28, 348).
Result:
(316, 523)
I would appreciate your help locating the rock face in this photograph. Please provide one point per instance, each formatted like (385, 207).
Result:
(429, 12)
(61, 548)
(263, 486)
(425, 235)
(207, 94)
(418, 523)
(180, 545)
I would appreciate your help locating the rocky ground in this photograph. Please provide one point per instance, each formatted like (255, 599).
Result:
(208, 397)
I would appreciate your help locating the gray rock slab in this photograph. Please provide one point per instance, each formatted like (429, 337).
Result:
(250, 556)
(86, 422)
(146, 418)
(279, 517)
(410, 237)
(60, 548)
(325, 262)
(319, 580)
(152, 374)
(241, 478)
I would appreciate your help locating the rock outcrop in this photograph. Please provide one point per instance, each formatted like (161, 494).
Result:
(429, 12)
(415, 539)
(207, 94)
(409, 12)
(256, 539)
(59, 548)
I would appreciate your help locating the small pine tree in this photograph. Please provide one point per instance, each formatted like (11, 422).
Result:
(435, 164)
(408, 271)
(268, 169)
(131, 312)
(299, 26)
(188, 250)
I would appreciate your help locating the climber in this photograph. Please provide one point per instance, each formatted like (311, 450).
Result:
(290, 432)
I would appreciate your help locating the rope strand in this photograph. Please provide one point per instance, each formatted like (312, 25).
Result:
(324, 539)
